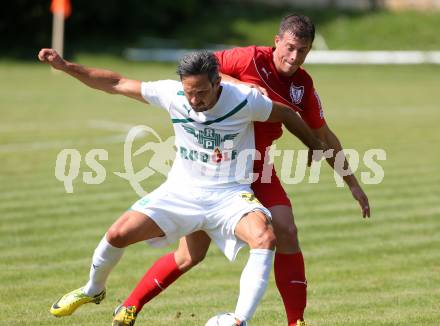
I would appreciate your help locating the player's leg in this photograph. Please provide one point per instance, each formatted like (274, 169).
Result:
(288, 263)
(255, 229)
(167, 269)
(192, 250)
(131, 227)
(178, 214)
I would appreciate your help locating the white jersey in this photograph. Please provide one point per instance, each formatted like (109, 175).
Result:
(215, 148)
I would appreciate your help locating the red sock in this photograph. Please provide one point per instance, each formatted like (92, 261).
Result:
(163, 272)
(291, 282)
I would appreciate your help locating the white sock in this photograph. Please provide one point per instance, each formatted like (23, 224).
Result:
(105, 258)
(253, 282)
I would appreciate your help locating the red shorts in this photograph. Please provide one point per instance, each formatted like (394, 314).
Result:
(270, 194)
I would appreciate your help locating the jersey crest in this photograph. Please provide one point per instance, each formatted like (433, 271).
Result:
(296, 93)
(208, 138)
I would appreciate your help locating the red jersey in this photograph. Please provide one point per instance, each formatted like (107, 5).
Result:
(254, 64)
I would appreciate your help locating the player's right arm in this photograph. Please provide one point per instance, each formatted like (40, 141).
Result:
(101, 79)
(295, 125)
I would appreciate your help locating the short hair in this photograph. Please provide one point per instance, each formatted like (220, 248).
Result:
(199, 63)
(297, 25)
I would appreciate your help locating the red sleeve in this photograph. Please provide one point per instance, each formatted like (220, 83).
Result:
(234, 61)
(313, 114)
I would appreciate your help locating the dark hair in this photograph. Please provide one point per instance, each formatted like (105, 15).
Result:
(198, 63)
(299, 26)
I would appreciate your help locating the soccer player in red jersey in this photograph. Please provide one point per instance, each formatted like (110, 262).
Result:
(277, 72)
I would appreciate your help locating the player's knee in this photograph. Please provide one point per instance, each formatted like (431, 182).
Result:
(187, 261)
(270, 239)
(265, 240)
(287, 233)
(117, 237)
(284, 224)
(287, 238)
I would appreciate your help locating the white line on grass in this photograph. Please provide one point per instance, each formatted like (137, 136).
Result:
(109, 125)
(35, 146)
(42, 145)
(92, 124)
(35, 126)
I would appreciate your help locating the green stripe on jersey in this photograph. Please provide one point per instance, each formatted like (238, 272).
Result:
(227, 115)
(182, 120)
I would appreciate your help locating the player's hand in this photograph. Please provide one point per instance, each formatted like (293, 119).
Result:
(362, 198)
(262, 90)
(52, 57)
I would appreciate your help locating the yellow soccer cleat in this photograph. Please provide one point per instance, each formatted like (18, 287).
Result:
(300, 322)
(124, 316)
(68, 303)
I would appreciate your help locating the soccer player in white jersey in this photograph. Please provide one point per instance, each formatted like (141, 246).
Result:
(208, 187)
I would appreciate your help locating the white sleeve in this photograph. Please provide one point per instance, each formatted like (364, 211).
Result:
(260, 106)
(160, 93)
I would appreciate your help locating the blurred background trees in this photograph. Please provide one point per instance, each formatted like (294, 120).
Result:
(110, 26)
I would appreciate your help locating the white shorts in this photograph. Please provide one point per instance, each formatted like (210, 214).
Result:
(179, 212)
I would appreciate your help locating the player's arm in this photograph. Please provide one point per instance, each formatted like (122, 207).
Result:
(295, 125)
(232, 80)
(331, 140)
(101, 79)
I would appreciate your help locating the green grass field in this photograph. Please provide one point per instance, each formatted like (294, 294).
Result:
(384, 271)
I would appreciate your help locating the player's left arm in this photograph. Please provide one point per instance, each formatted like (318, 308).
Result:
(331, 140)
(314, 117)
(232, 80)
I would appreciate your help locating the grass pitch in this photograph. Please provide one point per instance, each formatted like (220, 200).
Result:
(384, 271)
